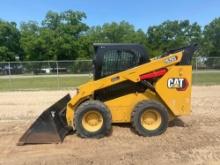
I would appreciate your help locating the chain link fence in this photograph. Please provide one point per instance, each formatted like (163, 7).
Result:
(40, 75)
(45, 67)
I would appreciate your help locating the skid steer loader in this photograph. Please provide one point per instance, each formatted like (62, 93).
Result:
(128, 87)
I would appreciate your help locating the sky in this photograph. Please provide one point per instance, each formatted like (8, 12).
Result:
(140, 13)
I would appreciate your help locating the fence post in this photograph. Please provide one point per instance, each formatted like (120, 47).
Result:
(196, 64)
(9, 75)
(214, 63)
(58, 82)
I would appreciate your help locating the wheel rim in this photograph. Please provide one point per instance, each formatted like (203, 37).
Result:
(92, 121)
(151, 119)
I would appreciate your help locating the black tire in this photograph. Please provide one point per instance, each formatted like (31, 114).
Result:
(93, 105)
(144, 106)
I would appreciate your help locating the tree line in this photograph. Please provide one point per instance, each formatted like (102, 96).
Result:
(65, 36)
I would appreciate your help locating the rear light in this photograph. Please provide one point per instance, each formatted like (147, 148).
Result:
(155, 74)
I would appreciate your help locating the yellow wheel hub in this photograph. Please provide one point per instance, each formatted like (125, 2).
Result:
(151, 119)
(92, 121)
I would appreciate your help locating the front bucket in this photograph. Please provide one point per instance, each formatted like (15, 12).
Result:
(50, 126)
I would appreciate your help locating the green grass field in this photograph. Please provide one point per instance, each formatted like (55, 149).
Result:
(206, 78)
(42, 83)
(69, 81)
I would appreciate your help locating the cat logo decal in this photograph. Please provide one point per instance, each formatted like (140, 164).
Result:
(178, 83)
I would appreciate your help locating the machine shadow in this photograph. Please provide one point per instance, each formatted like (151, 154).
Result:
(177, 122)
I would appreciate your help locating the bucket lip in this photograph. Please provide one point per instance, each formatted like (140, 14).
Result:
(48, 125)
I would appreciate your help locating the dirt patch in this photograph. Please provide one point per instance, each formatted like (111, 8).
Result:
(189, 140)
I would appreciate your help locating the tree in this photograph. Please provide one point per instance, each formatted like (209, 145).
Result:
(58, 37)
(173, 34)
(65, 36)
(116, 32)
(30, 33)
(121, 32)
(211, 42)
(9, 41)
(52, 20)
(67, 29)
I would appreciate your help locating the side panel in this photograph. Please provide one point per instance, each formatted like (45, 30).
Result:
(174, 88)
(133, 74)
(122, 107)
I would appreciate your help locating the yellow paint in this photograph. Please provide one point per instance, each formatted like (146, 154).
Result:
(178, 102)
(151, 119)
(122, 107)
(92, 121)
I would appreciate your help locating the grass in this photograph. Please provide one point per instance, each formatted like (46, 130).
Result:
(69, 82)
(42, 83)
(206, 78)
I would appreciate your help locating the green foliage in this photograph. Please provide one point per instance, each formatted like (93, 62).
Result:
(116, 32)
(9, 41)
(65, 36)
(211, 42)
(121, 32)
(172, 34)
(58, 37)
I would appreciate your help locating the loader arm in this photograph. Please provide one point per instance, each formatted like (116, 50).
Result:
(87, 90)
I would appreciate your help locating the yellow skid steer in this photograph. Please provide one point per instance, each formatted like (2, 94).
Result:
(128, 87)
